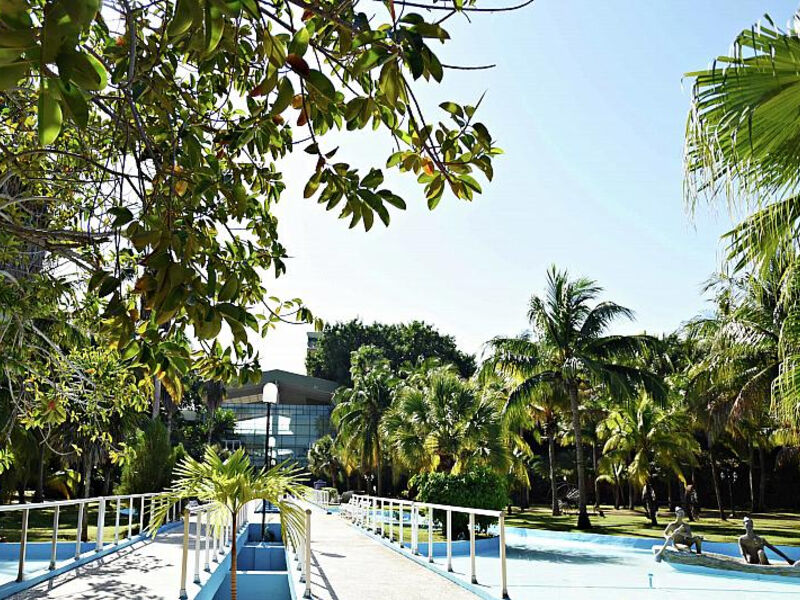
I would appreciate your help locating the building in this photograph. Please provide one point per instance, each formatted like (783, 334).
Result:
(301, 416)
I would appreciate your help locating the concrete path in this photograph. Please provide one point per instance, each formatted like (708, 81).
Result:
(347, 565)
(143, 571)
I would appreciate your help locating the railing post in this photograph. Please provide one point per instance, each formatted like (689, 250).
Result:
(141, 516)
(208, 524)
(185, 554)
(473, 577)
(79, 532)
(23, 545)
(414, 529)
(130, 518)
(449, 541)
(400, 521)
(116, 521)
(101, 521)
(430, 534)
(503, 574)
(54, 543)
(307, 557)
(383, 518)
(198, 524)
(391, 521)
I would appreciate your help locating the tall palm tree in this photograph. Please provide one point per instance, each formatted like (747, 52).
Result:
(358, 410)
(447, 425)
(543, 405)
(322, 459)
(575, 353)
(650, 436)
(228, 485)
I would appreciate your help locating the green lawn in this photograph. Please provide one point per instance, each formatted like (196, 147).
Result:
(777, 527)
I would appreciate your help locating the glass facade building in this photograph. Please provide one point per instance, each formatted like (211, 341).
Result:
(300, 417)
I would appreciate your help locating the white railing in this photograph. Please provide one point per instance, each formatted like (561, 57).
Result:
(370, 513)
(210, 539)
(130, 501)
(302, 551)
(319, 497)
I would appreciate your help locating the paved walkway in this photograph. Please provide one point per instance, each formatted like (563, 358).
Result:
(143, 571)
(347, 565)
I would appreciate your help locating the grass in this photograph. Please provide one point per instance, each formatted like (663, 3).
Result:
(778, 527)
(40, 523)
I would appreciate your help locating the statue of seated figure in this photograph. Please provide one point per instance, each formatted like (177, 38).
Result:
(753, 547)
(680, 533)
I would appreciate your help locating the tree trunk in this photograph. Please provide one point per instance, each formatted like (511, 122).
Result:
(39, 494)
(730, 494)
(594, 472)
(762, 480)
(583, 515)
(551, 456)
(156, 398)
(751, 479)
(670, 497)
(631, 496)
(715, 479)
(233, 556)
(617, 490)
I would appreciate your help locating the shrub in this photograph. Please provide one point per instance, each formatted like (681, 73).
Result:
(149, 462)
(479, 488)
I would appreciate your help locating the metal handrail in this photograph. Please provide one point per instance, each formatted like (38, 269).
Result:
(362, 510)
(210, 540)
(82, 504)
(302, 553)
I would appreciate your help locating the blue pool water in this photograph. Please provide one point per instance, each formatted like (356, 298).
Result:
(37, 558)
(568, 566)
(260, 570)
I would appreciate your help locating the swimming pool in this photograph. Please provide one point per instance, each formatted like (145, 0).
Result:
(570, 566)
(564, 566)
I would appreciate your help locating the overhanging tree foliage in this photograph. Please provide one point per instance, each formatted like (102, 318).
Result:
(148, 142)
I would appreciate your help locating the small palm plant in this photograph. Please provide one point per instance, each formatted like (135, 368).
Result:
(228, 485)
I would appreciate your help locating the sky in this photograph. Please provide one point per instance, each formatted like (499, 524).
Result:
(588, 102)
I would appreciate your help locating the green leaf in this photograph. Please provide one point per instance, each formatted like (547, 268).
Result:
(321, 84)
(49, 115)
(75, 103)
(274, 50)
(214, 27)
(299, 43)
(11, 74)
(229, 289)
(183, 18)
(452, 108)
(284, 98)
(83, 69)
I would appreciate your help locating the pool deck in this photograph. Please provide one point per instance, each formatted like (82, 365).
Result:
(345, 565)
(348, 565)
(145, 570)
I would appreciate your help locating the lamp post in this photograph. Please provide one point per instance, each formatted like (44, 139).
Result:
(269, 396)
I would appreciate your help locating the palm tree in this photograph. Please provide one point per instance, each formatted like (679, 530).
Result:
(542, 404)
(575, 353)
(230, 484)
(651, 437)
(742, 137)
(322, 459)
(447, 425)
(358, 410)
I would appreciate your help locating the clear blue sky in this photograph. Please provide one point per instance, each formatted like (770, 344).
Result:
(587, 101)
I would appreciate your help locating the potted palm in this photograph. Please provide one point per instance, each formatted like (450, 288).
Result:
(228, 485)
